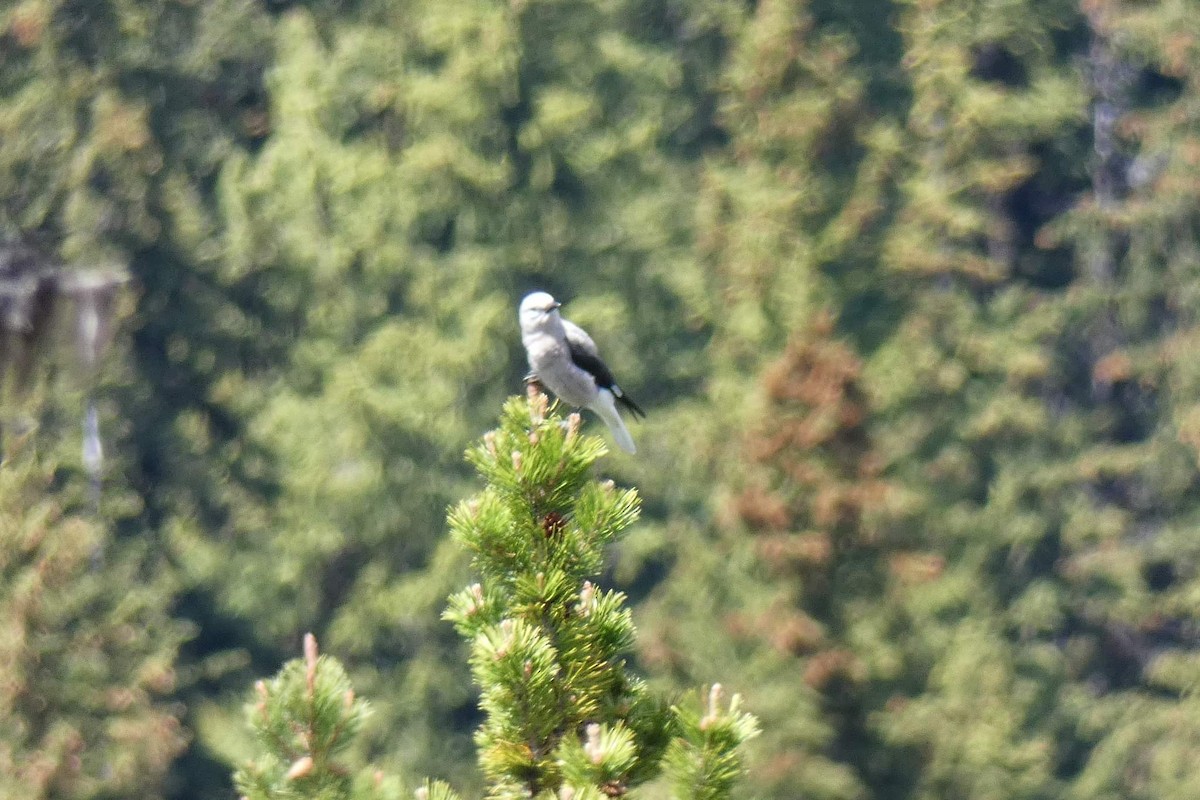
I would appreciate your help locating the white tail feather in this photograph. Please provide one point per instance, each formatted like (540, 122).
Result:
(606, 407)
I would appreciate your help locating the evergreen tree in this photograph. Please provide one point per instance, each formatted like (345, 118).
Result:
(808, 548)
(453, 153)
(1039, 460)
(790, 222)
(116, 117)
(564, 716)
(303, 720)
(973, 576)
(1128, 548)
(1014, 386)
(993, 103)
(87, 646)
(425, 164)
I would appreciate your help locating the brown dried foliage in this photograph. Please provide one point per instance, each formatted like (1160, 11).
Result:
(916, 568)
(815, 468)
(824, 668)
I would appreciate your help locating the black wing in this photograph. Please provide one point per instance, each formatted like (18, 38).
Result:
(591, 364)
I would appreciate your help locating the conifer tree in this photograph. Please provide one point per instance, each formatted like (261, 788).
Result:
(87, 646)
(789, 222)
(1126, 577)
(425, 164)
(564, 714)
(303, 720)
(1021, 399)
(330, 209)
(808, 556)
(115, 118)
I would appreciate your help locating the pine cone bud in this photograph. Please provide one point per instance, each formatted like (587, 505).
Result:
(300, 768)
(594, 753)
(310, 660)
(476, 598)
(506, 630)
(537, 405)
(587, 599)
(714, 710)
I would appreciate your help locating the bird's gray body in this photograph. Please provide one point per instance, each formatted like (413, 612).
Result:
(555, 348)
(549, 356)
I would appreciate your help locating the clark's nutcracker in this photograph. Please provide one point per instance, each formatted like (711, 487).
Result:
(565, 360)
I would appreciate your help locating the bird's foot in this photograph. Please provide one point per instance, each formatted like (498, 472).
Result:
(533, 386)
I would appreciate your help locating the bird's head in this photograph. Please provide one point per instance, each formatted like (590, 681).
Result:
(536, 309)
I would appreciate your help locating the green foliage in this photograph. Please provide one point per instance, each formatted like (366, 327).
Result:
(86, 646)
(436, 790)
(548, 648)
(1021, 418)
(703, 761)
(418, 165)
(945, 539)
(303, 719)
(563, 715)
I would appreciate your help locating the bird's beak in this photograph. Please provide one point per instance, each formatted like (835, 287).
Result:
(556, 306)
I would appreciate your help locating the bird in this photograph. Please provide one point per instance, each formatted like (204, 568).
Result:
(564, 359)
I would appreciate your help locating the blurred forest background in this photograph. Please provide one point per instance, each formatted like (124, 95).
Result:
(910, 290)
